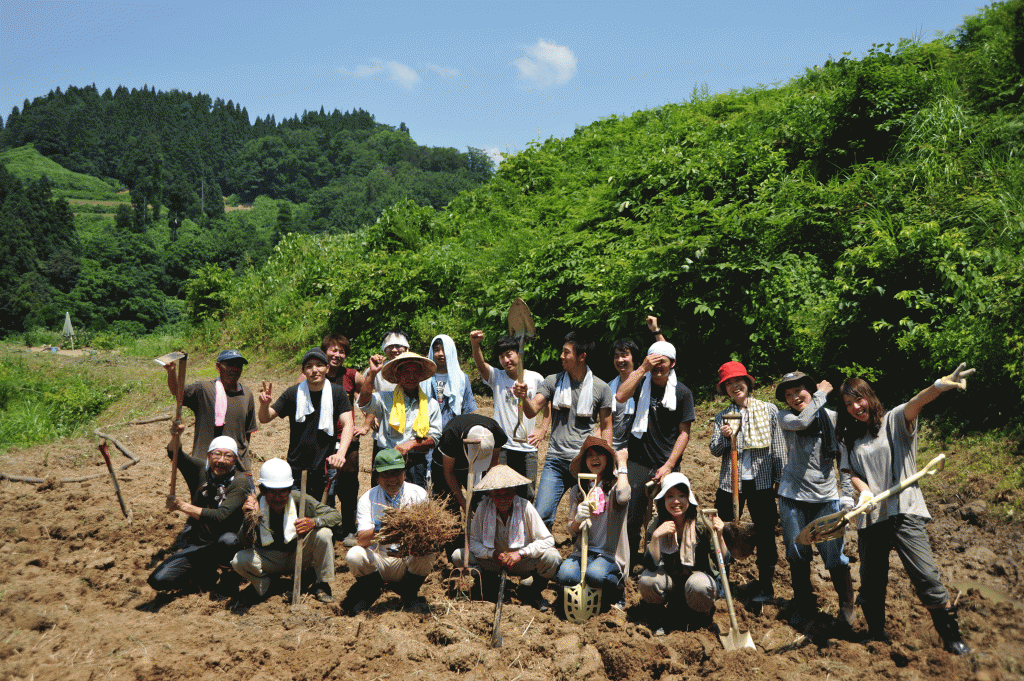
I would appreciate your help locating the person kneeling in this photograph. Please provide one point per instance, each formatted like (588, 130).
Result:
(280, 527)
(508, 534)
(372, 564)
(682, 571)
(210, 537)
(605, 506)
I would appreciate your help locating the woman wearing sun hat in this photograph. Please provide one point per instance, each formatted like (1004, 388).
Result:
(682, 571)
(762, 454)
(604, 505)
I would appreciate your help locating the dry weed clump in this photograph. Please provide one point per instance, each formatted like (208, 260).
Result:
(420, 528)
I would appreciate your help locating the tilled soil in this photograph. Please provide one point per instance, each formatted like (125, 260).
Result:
(74, 603)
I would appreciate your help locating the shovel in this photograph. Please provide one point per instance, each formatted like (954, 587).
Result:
(831, 526)
(297, 585)
(520, 324)
(182, 359)
(461, 575)
(735, 639)
(582, 601)
(739, 537)
(496, 632)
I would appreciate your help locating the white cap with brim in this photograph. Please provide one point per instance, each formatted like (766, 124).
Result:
(674, 480)
(223, 442)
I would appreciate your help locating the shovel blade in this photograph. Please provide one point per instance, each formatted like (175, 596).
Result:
(581, 603)
(739, 538)
(520, 321)
(170, 357)
(737, 640)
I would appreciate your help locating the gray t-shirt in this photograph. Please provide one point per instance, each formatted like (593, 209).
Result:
(873, 459)
(569, 430)
(810, 474)
(622, 416)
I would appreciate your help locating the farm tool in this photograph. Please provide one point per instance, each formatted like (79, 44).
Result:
(520, 325)
(734, 639)
(182, 359)
(582, 601)
(738, 536)
(831, 526)
(461, 576)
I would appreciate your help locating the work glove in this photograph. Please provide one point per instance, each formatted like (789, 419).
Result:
(957, 379)
(583, 511)
(865, 498)
(845, 504)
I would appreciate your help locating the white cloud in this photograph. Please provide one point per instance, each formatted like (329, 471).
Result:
(547, 64)
(440, 70)
(400, 73)
(496, 155)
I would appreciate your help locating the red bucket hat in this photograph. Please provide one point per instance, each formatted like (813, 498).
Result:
(732, 370)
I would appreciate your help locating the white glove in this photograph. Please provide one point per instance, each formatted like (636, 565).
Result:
(865, 498)
(583, 511)
(845, 504)
(957, 379)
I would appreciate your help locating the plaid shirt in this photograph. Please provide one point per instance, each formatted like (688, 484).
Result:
(767, 462)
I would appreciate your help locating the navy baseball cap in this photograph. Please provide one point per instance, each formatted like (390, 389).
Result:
(227, 355)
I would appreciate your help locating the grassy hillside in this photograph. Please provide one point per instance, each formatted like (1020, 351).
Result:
(27, 164)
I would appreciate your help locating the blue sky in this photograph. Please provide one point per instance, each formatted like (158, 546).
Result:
(485, 74)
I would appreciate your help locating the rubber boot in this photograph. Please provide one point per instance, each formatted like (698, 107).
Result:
(842, 580)
(804, 605)
(409, 590)
(948, 626)
(363, 593)
(765, 587)
(534, 594)
(874, 615)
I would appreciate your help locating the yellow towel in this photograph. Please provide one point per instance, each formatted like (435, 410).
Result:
(396, 419)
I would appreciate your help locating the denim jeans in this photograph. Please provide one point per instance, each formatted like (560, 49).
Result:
(794, 516)
(602, 573)
(555, 480)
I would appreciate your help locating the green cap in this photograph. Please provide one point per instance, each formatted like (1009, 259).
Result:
(388, 460)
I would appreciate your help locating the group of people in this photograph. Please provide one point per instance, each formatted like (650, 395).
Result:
(795, 464)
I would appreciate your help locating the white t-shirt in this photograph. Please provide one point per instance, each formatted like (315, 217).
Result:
(371, 506)
(506, 405)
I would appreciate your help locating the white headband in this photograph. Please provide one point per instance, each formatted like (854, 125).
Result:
(223, 442)
(394, 339)
(663, 348)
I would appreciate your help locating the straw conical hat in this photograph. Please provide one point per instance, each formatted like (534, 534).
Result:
(501, 477)
(427, 367)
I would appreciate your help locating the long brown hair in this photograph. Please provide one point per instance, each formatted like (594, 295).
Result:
(849, 429)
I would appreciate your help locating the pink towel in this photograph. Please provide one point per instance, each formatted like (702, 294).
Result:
(220, 403)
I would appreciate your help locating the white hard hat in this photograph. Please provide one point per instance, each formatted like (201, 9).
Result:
(276, 474)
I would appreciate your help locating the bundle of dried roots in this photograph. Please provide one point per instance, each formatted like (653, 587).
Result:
(419, 529)
(251, 530)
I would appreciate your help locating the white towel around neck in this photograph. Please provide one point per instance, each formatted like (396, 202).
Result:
(304, 406)
(563, 394)
(643, 405)
(290, 516)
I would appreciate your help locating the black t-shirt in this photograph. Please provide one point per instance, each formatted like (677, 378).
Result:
(456, 431)
(653, 448)
(308, 446)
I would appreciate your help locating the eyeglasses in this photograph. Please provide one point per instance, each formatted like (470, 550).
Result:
(224, 454)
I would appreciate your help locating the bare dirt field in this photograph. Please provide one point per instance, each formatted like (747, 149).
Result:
(74, 603)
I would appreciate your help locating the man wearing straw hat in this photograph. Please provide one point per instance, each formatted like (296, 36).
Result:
(374, 565)
(507, 533)
(661, 427)
(410, 421)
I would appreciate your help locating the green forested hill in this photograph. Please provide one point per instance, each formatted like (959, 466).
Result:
(865, 217)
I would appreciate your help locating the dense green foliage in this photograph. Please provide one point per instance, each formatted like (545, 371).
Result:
(863, 218)
(179, 151)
